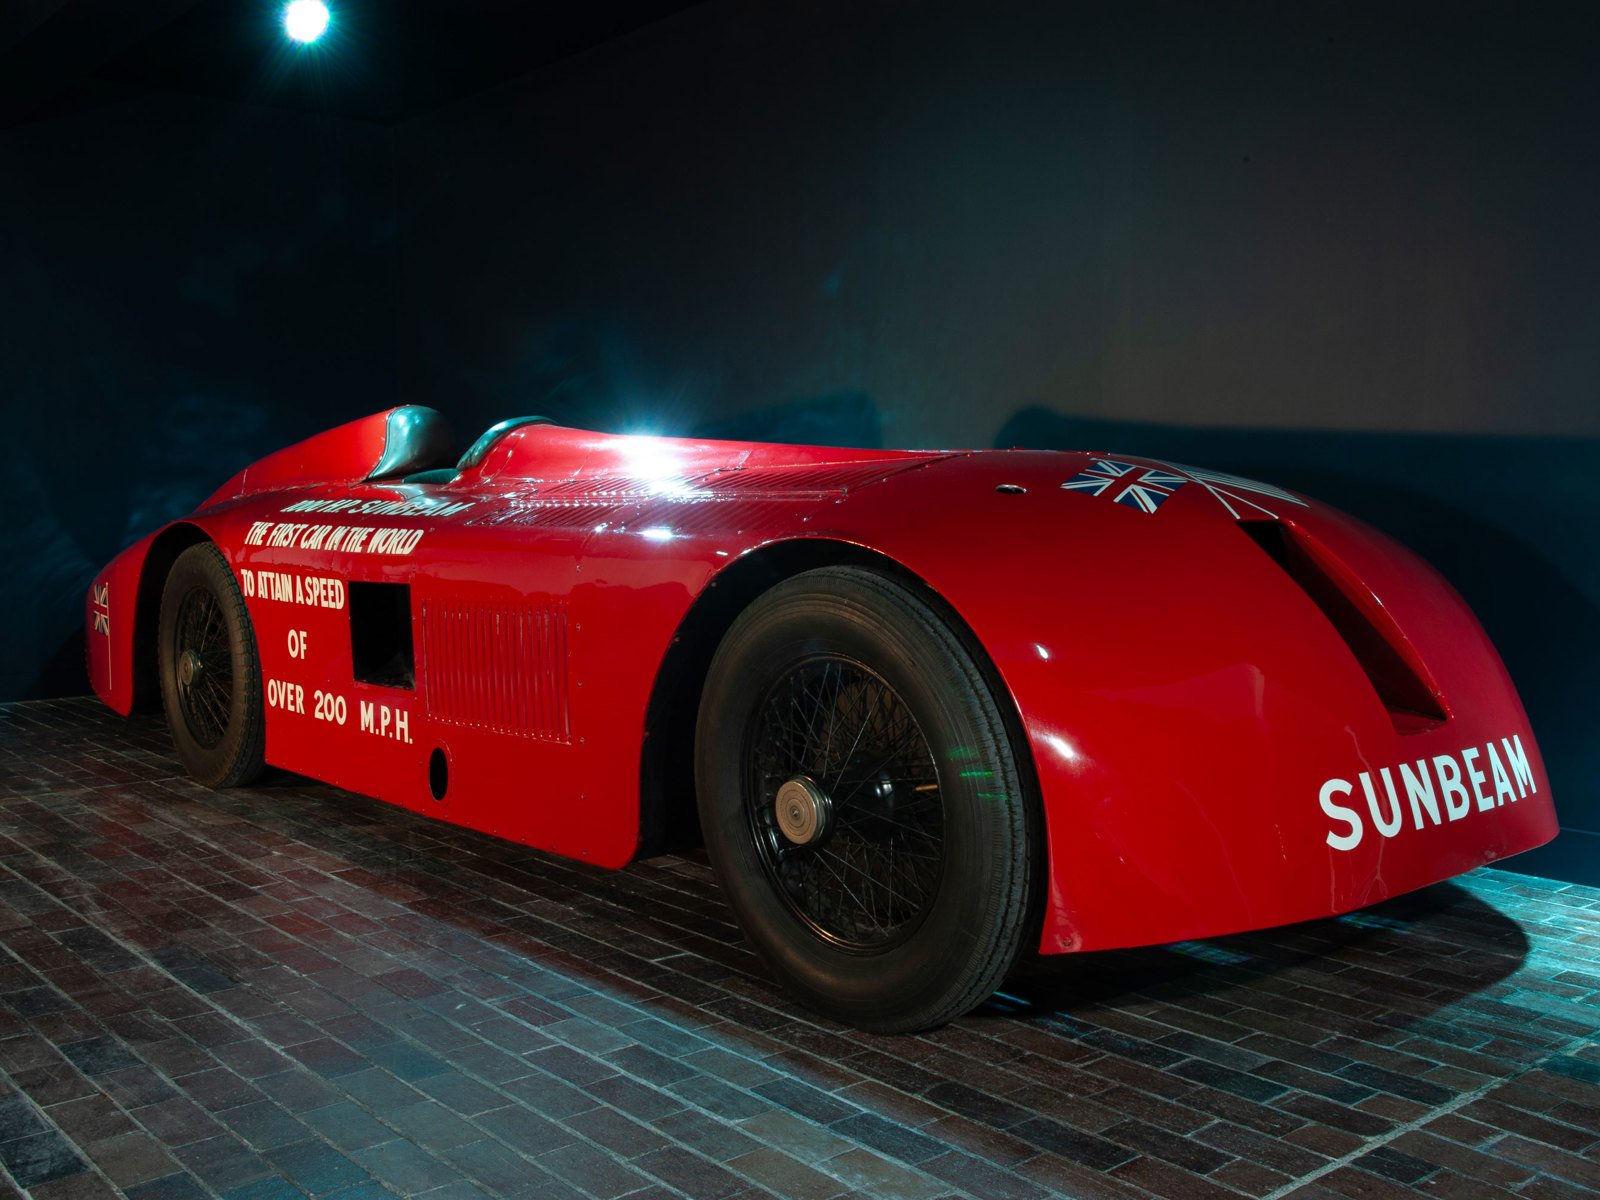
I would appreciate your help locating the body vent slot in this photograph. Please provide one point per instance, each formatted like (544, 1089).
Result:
(550, 516)
(1391, 664)
(606, 487)
(718, 516)
(810, 482)
(498, 667)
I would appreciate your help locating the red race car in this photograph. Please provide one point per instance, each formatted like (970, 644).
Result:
(929, 709)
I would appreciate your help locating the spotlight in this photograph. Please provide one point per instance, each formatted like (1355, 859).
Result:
(305, 20)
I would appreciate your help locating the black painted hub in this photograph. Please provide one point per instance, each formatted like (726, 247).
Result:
(844, 803)
(204, 667)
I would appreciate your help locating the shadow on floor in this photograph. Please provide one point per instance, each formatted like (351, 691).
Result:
(1495, 945)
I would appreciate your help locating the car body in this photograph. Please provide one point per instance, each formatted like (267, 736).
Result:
(1238, 708)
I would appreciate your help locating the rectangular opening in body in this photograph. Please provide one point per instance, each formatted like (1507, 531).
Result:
(1412, 699)
(380, 635)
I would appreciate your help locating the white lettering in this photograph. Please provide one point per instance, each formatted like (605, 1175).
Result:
(330, 707)
(1502, 781)
(1340, 841)
(1419, 788)
(419, 506)
(383, 721)
(351, 539)
(1519, 764)
(284, 534)
(314, 591)
(1477, 777)
(1392, 826)
(290, 697)
(1461, 787)
(1450, 785)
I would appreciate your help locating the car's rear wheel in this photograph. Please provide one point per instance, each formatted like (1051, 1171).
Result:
(862, 802)
(210, 671)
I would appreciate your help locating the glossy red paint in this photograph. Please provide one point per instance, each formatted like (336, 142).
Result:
(111, 606)
(1203, 737)
(340, 455)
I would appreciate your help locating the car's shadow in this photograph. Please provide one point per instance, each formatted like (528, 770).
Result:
(1470, 944)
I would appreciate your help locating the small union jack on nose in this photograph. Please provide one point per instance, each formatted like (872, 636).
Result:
(102, 608)
(1144, 488)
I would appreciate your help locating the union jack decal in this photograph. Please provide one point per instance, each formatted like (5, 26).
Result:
(1144, 488)
(1230, 491)
(102, 608)
(1147, 488)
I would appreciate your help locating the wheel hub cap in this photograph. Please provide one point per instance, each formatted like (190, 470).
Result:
(190, 668)
(804, 811)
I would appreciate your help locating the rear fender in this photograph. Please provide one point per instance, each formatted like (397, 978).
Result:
(123, 614)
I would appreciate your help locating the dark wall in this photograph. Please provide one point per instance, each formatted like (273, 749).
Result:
(184, 285)
(1287, 216)
(1347, 248)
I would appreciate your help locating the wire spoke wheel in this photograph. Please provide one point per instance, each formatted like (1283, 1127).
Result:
(210, 671)
(862, 801)
(204, 667)
(866, 880)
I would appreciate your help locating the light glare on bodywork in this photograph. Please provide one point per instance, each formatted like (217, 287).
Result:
(1062, 747)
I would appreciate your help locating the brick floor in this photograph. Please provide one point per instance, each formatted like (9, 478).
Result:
(291, 991)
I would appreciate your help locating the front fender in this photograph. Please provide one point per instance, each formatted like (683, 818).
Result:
(1212, 757)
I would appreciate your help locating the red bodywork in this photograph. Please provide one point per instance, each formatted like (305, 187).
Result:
(1205, 739)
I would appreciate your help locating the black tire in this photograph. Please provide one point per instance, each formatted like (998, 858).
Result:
(905, 888)
(210, 671)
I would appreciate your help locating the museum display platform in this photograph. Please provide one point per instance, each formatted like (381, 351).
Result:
(289, 990)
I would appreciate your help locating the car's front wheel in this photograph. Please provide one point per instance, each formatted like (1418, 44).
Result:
(863, 804)
(210, 671)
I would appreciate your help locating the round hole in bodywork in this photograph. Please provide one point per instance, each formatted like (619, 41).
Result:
(438, 773)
